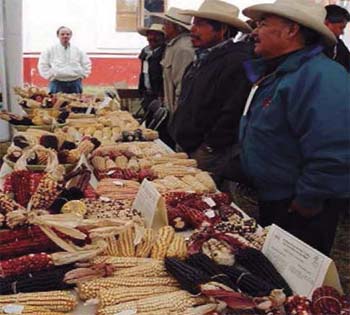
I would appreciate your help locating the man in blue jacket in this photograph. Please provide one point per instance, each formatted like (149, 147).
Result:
(294, 130)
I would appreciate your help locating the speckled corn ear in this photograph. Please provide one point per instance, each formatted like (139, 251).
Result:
(123, 294)
(178, 300)
(165, 237)
(177, 248)
(58, 301)
(90, 289)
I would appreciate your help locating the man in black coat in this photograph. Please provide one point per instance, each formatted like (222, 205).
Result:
(336, 20)
(151, 75)
(214, 87)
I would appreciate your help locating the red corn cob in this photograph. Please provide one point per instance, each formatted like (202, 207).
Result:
(298, 305)
(177, 219)
(174, 198)
(23, 247)
(326, 301)
(7, 236)
(221, 198)
(194, 217)
(197, 204)
(25, 264)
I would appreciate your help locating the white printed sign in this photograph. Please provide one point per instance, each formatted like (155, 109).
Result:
(151, 205)
(303, 267)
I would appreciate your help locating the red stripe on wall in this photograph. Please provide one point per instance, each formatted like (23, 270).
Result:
(105, 71)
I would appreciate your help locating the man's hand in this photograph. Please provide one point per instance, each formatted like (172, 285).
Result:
(304, 212)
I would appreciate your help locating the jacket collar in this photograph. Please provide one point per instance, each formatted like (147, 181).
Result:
(175, 39)
(256, 68)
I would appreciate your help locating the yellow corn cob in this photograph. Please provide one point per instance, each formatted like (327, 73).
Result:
(33, 310)
(179, 300)
(165, 237)
(163, 170)
(200, 310)
(145, 163)
(125, 243)
(194, 183)
(112, 247)
(122, 262)
(124, 294)
(73, 156)
(177, 248)
(177, 155)
(143, 249)
(46, 192)
(90, 289)
(165, 311)
(110, 164)
(86, 146)
(59, 301)
(121, 162)
(99, 163)
(176, 182)
(152, 269)
(207, 181)
(133, 164)
(8, 205)
(175, 161)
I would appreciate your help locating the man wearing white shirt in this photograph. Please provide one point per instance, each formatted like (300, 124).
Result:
(64, 65)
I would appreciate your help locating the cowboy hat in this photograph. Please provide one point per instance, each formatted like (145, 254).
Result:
(303, 12)
(220, 11)
(173, 15)
(154, 27)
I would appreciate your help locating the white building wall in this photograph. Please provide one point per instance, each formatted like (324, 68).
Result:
(93, 24)
(92, 21)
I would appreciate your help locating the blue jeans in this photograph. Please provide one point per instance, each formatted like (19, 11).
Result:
(75, 86)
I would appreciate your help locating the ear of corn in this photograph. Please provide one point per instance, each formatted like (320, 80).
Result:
(207, 181)
(124, 294)
(152, 269)
(177, 248)
(46, 193)
(179, 300)
(33, 310)
(143, 249)
(8, 205)
(125, 243)
(90, 289)
(122, 262)
(112, 246)
(59, 301)
(165, 237)
(196, 185)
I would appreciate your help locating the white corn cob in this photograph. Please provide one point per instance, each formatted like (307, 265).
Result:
(60, 301)
(125, 243)
(177, 248)
(207, 181)
(179, 300)
(124, 294)
(165, 237)
(122, 262)
(152, 269)
(90, 289)
(143, 249)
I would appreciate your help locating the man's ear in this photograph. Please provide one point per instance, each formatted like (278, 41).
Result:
(294, 29)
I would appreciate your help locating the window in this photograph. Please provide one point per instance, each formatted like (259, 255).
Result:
(134, 13)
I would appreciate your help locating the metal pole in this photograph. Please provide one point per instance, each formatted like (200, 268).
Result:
(4, 126)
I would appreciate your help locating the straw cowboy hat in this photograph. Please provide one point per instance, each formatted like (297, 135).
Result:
(220, 11)
(303, 12)
(173, 15)
(154, 27)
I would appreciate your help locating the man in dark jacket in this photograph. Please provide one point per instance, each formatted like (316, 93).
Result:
(151, 75)
(295, 126)
(214, 87)
(336, 20)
